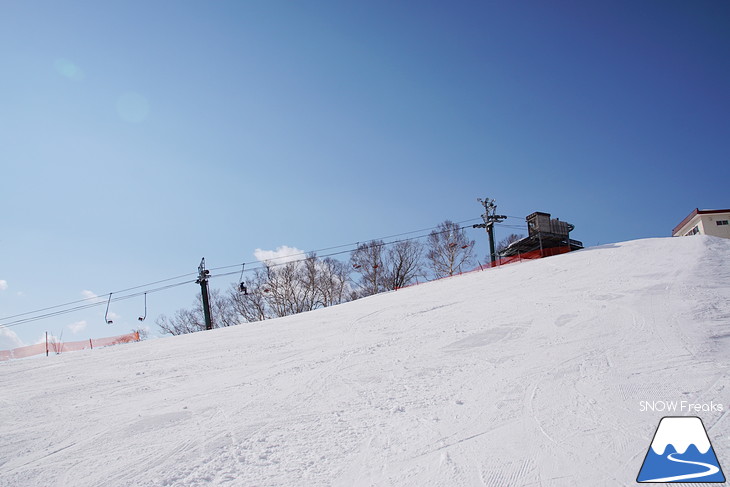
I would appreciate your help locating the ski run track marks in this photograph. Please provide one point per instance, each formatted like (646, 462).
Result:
(526, 375)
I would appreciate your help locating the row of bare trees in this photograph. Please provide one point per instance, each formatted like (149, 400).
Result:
(277, 290)
(291, 288)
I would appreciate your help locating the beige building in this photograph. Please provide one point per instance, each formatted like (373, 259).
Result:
(705, 222)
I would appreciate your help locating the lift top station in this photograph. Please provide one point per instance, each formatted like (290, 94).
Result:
(543, 232)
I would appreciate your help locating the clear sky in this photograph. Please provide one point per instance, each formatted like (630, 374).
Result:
(137, 137)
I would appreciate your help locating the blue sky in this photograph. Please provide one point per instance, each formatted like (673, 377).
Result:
(138, 137)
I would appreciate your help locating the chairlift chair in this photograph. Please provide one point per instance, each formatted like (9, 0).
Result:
(106, 315)
(241, 285)
(142, 318)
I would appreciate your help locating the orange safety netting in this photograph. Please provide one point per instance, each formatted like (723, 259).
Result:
(535, 254)
(56, 347)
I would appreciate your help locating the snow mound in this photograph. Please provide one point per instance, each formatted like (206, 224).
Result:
(528, 374)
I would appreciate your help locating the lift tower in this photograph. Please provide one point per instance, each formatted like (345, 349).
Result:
(203, 275)
(490, 218)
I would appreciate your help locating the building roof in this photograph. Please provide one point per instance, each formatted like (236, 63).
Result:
(694, 213)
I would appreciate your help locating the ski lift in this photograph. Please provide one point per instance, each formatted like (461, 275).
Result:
(106, 315)
(241, 285)
(142, 318)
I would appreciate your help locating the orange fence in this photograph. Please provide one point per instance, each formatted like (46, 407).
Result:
(54, 346)
(535, 254)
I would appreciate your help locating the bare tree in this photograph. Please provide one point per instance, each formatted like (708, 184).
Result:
(367, 261)
(272, 291)
(402, 263)
(223, 313)
(306, 285)
(449, 250)
(505, 242)
(286, 294)
(291, 288)
(251, 305)
(307, 279)
(143, 331)
(332, 282)
(182, 322)
(55, 343)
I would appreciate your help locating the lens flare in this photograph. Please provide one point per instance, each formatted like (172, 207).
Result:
(68, 69)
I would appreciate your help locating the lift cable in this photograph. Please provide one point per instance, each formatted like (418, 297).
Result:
(264, 265)
(94, 298)
(97, 302)
(345, 245)
(94, 301)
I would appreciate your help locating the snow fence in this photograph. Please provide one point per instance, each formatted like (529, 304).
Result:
(56, 347)
(535, 254)
(532, 255)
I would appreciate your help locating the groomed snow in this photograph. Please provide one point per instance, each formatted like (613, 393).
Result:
(529, 374)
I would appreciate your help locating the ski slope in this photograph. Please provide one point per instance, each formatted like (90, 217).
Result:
(528, 374)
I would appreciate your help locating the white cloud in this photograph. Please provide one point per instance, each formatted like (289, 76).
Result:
(9, 339)
(88, 294)
(281, 255)
(92, 296)
(77, 326)
(3, 284)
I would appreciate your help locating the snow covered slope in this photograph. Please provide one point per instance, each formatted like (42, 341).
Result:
(529, 374)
